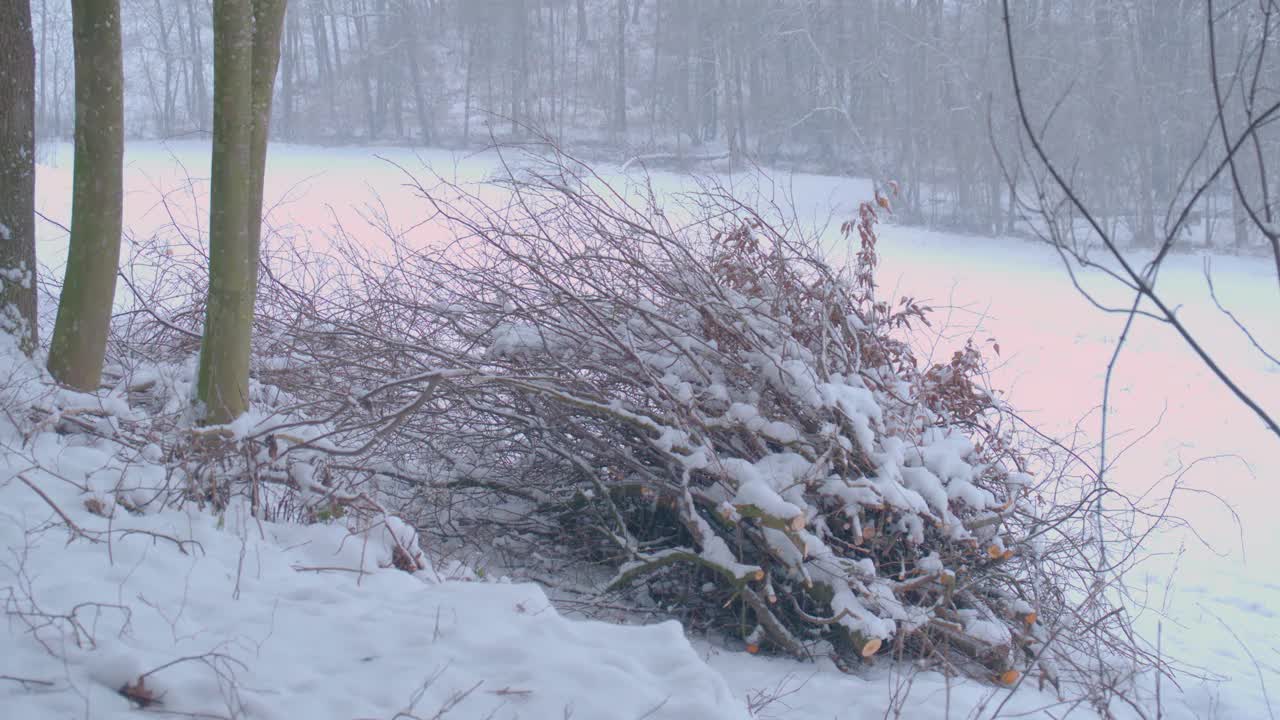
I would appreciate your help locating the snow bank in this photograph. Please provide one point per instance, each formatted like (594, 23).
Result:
(225, 616)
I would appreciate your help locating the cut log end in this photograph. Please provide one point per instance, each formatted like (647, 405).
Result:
(1009, 677)
(871, 647)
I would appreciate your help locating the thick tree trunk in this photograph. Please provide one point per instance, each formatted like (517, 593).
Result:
(79, 341)
(223, 379)
(17, 174)
(247, 53)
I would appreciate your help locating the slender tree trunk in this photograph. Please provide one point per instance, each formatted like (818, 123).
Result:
(79, 342)
(365, 57)
(201, 110)
(520, 79)
(466, 102)
(336, 46)
(415, 75)
(379, 60)
(620, 88)
(684, 109)
(247, 54)
(268, 29)
(288, 72)
(324, 65)
(17, 174)
(1239, 219)
(654, 90)
(167, 99)
(42, 122)
(184, 70)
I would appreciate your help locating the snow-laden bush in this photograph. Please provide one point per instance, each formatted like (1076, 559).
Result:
(693, 396)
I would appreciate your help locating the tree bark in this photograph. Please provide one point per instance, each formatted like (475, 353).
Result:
(246, 56)
(17, 174)
(79, 342)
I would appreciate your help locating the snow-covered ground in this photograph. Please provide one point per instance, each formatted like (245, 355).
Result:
(325, 645)
(225, 617)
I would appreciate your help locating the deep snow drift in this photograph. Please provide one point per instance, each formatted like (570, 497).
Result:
(337, 644)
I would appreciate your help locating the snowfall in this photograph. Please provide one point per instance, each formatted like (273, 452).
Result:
(223, 616)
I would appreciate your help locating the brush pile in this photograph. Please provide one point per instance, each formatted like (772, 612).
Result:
(692, 396)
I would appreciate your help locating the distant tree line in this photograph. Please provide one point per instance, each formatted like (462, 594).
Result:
(914, 90)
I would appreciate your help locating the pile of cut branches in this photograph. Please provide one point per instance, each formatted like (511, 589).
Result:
(690, 394)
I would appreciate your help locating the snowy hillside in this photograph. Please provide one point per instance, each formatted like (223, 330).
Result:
(208, 615)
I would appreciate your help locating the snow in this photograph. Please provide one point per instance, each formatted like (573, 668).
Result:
(342, 644)
(232, 617)
(988, 631)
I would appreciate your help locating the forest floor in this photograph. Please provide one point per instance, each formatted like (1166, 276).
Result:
(348, 645)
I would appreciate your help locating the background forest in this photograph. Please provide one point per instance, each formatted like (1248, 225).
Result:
(911, 90)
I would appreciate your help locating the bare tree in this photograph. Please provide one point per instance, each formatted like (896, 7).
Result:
(1064, 206)
(17, 174)
(79, 340)
(247, 53)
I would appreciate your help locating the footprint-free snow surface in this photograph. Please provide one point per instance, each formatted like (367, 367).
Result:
(271, 621)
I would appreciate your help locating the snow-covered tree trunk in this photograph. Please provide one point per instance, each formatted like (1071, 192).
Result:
(17, 173)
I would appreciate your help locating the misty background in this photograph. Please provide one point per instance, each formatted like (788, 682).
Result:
(914, 91)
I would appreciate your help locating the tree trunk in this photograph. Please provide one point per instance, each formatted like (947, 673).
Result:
(520, 80)
(415, 75)
(43, 107)
(620, 89)
(79, 342)
(247, 53)
(288, 72)
(201, 110)
(466, 102)
(268, 29)
(1239, 218)
(365, 56)
(17, 174)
